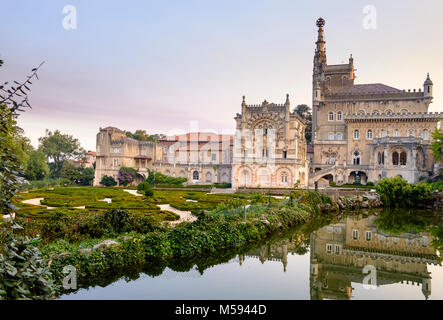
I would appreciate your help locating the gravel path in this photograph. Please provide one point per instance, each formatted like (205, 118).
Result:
(185, 216)
(133, 192)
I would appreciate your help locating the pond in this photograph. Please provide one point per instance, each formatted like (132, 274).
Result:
(384, 256)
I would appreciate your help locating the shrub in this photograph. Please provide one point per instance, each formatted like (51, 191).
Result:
(108, 181)
(23, 272)
(332, 184)
(126, 175)
(397, 192)
(146, 189)
(157, 178)
(370, 184)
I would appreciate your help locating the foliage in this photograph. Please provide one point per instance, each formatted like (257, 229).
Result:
(48, 182)
(108, 181)
(397, 192)
(126, 176)
(157, 178)
(108, 224)
(370, 184)
(78, 175)
(141, 135)
(37, 168)
(146, 189)
(59, 148)
(23, 271)
(437, 144)
(23, 274)
(305, 112)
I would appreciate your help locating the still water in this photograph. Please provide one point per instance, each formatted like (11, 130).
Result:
(354, 257)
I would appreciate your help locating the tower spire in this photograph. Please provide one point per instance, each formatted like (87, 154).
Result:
(320, 51)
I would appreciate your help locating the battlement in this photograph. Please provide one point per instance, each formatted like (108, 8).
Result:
(411, 116)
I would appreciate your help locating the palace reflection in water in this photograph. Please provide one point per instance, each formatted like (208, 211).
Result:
(339, 252)
(309, 262)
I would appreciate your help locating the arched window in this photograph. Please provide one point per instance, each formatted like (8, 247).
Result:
(345, 81)
(379, 158)
(370, 134)
(331, 116)
(328, 81)
(396, 133)
(383, 133)
(425, 134)
(356, 134)
(376, 112)
(356, 160)
(331, 135)
(361, 113)
(339, 136)
(208, 177)
(225, 178)
(182, 174)
(245, 177)
(403, 158)
(411, 132)
(339, 116)
(284, 178)
(404, 111)
(395, 158)
(195, 175)
(388, 112)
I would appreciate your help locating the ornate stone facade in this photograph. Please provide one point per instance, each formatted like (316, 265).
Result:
(366, 132)
(270, 147)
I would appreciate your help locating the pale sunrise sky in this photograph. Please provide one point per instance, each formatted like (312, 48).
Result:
(157, 65)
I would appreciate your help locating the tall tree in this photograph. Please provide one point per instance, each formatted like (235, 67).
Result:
(37, 168)
(305, 112)
(59, 148)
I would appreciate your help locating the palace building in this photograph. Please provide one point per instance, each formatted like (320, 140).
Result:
(366, 132)
(202, 158)
(360, 133)
(270, 147)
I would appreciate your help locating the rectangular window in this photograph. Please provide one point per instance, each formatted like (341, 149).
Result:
(115, 162)
(368, 235)
(337, 249)
(214, 156)
(329, 248)
(355, 234)
(285, 154)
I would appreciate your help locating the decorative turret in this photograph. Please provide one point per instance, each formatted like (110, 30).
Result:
(317, 92)
(426, 287)
(243, 106)
(428, 86)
